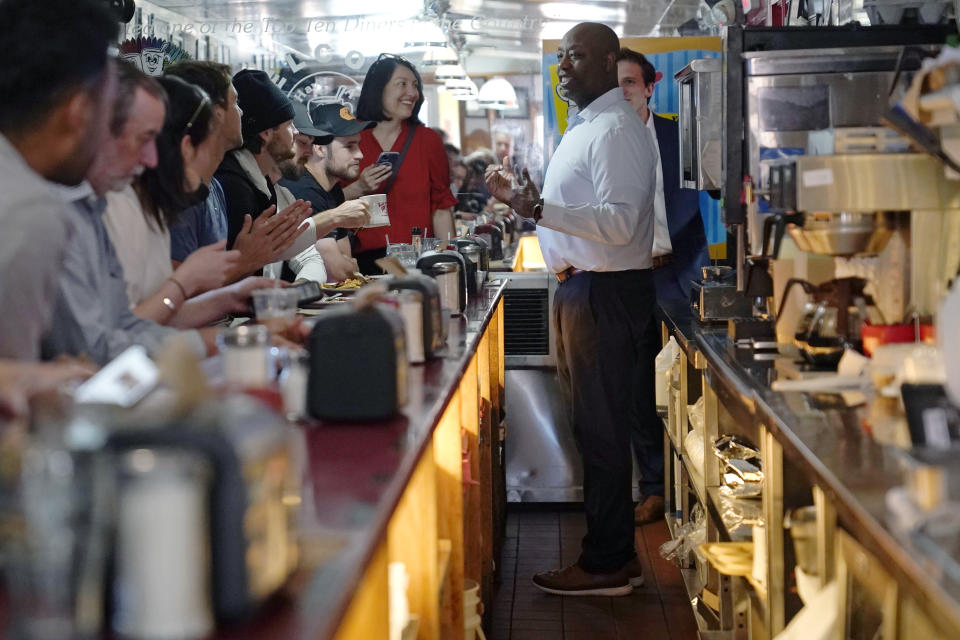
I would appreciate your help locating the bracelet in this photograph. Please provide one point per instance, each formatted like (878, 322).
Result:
(179, 286)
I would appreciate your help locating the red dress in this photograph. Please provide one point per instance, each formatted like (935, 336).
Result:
(422, 185)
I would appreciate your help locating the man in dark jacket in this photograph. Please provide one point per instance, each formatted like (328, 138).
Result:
(679, 250)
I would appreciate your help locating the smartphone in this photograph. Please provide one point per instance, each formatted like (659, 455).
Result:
(390, 158)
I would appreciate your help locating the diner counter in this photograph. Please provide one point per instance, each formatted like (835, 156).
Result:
(826, 445)
(356, 475)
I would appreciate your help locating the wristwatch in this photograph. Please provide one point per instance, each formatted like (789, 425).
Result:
(538, 210)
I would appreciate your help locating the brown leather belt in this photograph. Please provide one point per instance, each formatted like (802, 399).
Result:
(568, 273)
(661, 261)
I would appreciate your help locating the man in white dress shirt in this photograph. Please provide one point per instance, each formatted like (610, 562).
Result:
(595, 225)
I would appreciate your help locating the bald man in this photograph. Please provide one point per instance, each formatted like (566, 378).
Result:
(595, 225)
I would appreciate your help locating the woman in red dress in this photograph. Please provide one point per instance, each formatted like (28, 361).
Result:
(420, 194)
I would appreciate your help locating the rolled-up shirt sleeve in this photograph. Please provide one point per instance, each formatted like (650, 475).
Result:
(308, 265)
(623, 172)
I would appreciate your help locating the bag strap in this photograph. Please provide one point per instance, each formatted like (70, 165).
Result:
(403, 154)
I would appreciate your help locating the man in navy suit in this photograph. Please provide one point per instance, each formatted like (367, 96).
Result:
(679, 250)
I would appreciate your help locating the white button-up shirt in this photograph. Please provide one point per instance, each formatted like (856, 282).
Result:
(599, 190)
(661, 232)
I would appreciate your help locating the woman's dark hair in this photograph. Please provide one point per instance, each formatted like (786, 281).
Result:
(163, 188)
(370, 104)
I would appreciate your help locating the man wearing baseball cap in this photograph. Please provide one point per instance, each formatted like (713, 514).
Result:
(334, 162)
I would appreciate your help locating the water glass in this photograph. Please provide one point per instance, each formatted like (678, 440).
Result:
(42, 560)
(429, 244)
(405, 254)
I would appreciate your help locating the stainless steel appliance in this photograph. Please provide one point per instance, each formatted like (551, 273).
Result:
(803, 102)
(701, 131)
(542, 462)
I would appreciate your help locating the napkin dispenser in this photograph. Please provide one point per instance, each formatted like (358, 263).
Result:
(358, 365)
(492, 234)
(434, 328)
(476, 258)
(252, 530)
(430, 258)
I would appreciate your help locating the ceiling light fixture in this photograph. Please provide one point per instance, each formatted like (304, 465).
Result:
(440, 55)
(498, 94)
(449, 72)
(462, 89)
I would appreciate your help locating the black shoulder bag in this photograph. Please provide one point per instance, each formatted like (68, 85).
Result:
(403, 154)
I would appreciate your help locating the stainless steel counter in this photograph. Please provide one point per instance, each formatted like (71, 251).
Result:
(821, 445)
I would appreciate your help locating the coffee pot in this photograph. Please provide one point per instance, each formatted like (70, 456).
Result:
(831, 321)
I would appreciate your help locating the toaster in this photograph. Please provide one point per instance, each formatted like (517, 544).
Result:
(434, 327)
(358, 365)
(252, 529)
(430, 258)
(492, 235)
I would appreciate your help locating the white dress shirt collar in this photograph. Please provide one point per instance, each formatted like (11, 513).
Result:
(600, 104)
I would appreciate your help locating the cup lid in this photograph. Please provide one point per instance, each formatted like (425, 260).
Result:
(247, 335)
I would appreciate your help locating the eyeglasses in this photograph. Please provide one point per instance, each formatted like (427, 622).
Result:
(391, 56)
(204, 100)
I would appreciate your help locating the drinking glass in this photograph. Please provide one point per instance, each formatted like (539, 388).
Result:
(275, 303)
(405, 254)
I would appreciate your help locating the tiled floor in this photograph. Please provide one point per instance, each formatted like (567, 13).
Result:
(544, 537)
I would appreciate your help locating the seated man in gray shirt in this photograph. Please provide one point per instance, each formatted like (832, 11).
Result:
(55, 86)
(92, 315)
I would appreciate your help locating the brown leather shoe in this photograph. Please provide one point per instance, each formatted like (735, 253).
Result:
(574, 581)
(634, 572)
(650, 510)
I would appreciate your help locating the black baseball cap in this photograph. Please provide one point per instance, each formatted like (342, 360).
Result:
(301, 120)
(337, 119)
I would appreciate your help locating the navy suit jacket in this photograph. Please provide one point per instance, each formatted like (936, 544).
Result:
(687, 235)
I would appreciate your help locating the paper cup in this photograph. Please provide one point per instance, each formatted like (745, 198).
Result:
(378, 210)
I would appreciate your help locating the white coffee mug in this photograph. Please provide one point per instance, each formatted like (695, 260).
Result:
(378, 210)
